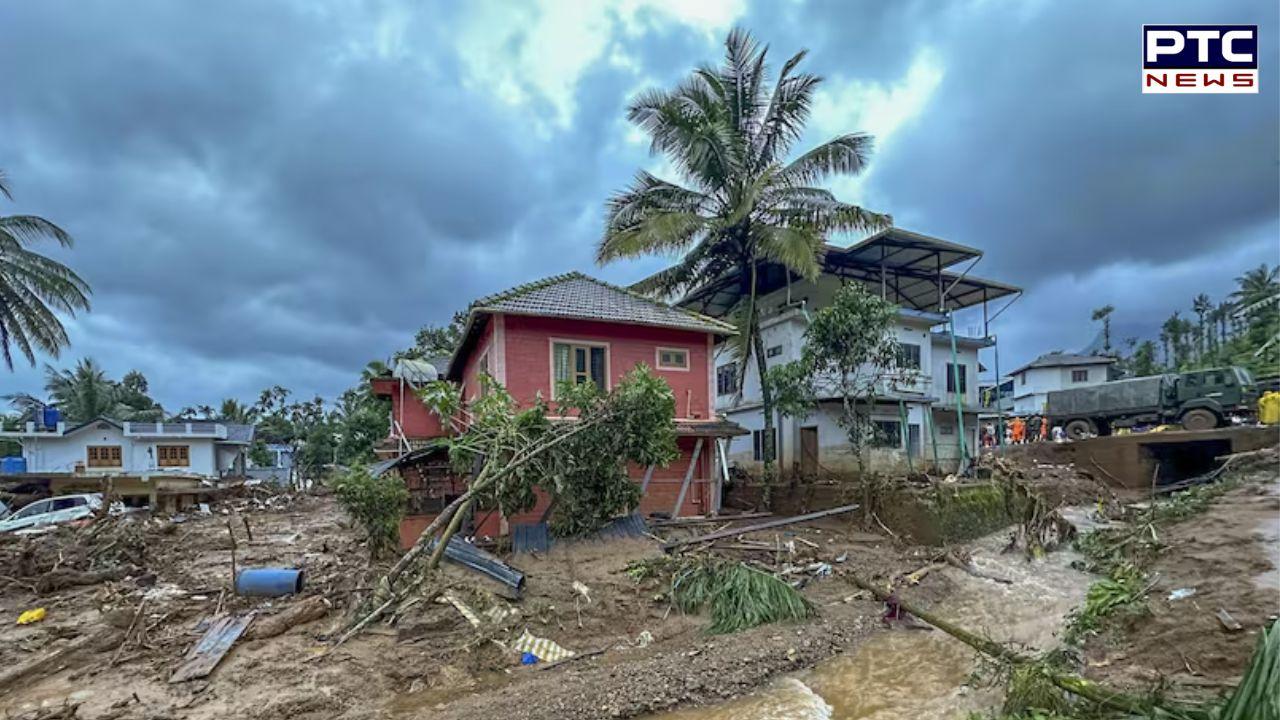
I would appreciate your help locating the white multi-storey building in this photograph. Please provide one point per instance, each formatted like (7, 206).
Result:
(915, 409)
(1033, 382)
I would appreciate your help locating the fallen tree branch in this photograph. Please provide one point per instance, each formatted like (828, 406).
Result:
(1099, 694)
(767, 525)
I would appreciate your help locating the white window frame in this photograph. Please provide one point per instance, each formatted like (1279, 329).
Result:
(657, 359)
(571, 342)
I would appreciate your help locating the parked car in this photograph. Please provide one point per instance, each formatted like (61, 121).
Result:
(52, 511)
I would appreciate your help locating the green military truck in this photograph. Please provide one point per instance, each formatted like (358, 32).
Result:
(1197, 400)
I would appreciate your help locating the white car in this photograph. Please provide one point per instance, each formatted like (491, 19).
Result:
(52, 511)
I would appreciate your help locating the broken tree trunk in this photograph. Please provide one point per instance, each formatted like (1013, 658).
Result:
(1074, 684)
(58, 579)
(313, 608)
(105, 638)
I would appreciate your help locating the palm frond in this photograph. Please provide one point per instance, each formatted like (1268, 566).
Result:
(789, 107)
(28, 229)
(677, 278)
(793, 247)
(845, 155)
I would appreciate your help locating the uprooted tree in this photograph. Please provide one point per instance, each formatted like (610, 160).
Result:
(575, 449)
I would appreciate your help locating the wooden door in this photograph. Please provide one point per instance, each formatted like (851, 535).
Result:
(809, 451)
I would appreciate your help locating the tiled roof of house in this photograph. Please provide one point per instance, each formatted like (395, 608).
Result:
(574, 295)
(1058, 359)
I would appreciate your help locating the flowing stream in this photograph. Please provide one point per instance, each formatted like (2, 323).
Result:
(925, 674)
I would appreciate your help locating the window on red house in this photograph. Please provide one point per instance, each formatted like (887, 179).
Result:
(580, 364)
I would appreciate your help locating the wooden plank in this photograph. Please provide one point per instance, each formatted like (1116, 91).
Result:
(688, 476)
(205, 655)
(648, 475)
(767, 525)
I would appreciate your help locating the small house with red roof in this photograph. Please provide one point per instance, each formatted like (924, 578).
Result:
(575, 328)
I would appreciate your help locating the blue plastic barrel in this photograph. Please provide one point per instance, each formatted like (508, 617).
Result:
(51, 417)
(269, 582)
(13, 465)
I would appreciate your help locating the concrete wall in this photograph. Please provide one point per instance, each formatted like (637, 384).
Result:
(1032, 387)
(921, 391)
(138, 455)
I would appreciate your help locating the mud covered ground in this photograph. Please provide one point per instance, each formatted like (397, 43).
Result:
(131, 631)
(429, 663)
(1227, 558)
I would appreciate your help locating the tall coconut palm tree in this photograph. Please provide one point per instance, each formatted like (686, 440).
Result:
(233, 411)
(1104, 314)
(741, 199)
(33, 287)
(1257, 284)
(1201, 305)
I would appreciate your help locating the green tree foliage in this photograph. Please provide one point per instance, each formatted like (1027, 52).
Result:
(1243, 329)
(1143, 361)
(85, 392)
(847, 348)
(377, 503)
(34, 288)
(581, 464)
(437, 340)
(742, 200)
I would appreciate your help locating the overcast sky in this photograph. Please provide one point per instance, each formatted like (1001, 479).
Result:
(278, 192)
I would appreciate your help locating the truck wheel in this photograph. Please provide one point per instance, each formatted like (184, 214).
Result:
(1199, 419)
(1079, 429)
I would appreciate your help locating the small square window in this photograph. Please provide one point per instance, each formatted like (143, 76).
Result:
(673, 359)
(1079, 376)
(774, 351)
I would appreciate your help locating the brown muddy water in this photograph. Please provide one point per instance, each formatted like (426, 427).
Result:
(926, 674)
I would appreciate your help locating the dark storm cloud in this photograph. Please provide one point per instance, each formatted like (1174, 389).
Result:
(264, 190)
(278, 192)
(1038, 147)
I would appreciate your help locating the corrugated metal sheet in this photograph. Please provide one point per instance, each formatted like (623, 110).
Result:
(530, 537)
(535, 537)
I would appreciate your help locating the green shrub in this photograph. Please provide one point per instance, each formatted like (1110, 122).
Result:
(377, 503)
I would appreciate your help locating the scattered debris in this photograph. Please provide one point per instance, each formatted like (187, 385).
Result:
(1228, 623)
(542, 648)
(269, 581)
(300, 613)
(767, 525)
(1181, 594)
(34, 615)
(205, 655)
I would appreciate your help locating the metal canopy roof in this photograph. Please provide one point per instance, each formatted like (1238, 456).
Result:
(914, 289)
(895, 248)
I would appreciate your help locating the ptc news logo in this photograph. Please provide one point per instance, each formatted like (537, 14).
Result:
(1199, 58)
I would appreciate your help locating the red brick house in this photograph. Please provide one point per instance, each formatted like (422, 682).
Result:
(578, 329)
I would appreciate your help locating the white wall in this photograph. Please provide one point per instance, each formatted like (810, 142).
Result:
(138, 455)
(1031, 388)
